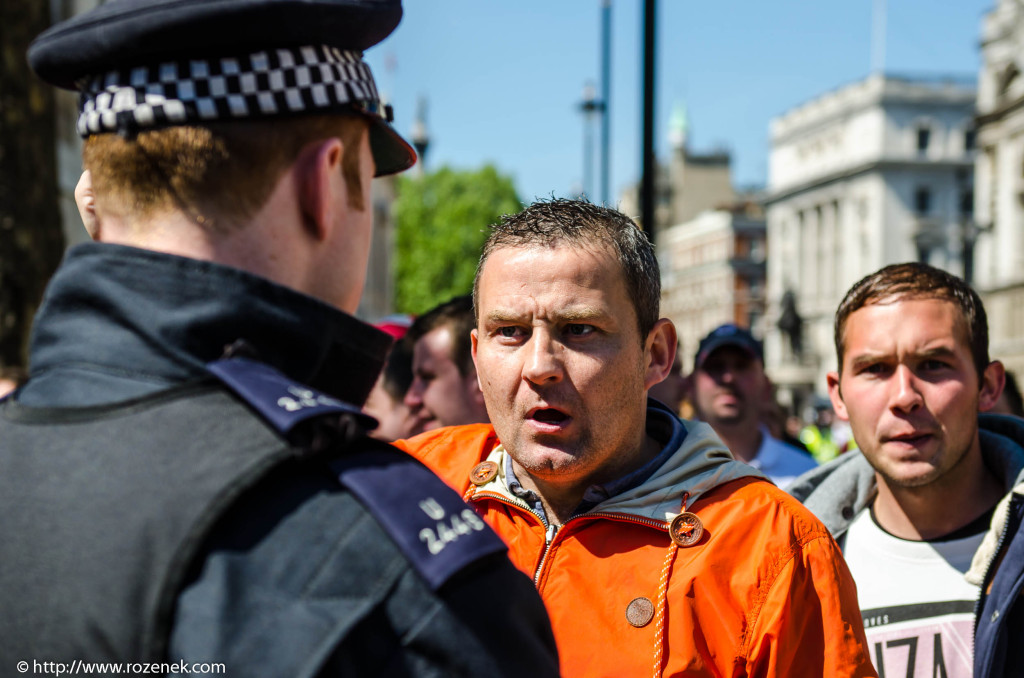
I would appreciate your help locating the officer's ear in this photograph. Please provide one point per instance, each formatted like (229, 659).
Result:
(321, 188)
(85, 199)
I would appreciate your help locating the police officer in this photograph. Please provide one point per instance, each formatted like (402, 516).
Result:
(186, 477)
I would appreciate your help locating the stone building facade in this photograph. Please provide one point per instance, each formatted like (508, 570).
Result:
(690, 182)
(876, 172)
(999, 204)
(713, 272)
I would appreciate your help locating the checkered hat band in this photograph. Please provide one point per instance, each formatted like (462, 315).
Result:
(263, 84)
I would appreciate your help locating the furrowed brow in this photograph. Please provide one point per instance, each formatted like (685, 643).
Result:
(582, 314)
(501, 315)
(937, 352)
(866, 359)
(569, 315)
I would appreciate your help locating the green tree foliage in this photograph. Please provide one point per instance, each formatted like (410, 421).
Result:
(441, 221)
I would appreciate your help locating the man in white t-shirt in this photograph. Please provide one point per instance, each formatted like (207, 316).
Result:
(910, 507)
(728, 386)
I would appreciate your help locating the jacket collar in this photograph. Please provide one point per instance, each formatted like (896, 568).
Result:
(137, 320)
(694, 461)
(837, 491)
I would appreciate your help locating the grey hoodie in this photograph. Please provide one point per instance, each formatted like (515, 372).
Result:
(837, 491)
(698, 462)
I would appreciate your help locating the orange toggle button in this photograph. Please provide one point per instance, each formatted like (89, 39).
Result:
(483, 472)
(686, 529)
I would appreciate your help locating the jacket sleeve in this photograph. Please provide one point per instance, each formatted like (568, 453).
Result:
(451, 452)
(810, 622)
(416, 632)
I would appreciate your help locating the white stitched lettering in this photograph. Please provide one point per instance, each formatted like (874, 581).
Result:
(433, 545)
(432, 508)
(443, 534)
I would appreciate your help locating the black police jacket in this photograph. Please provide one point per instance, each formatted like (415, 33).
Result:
(163, 506)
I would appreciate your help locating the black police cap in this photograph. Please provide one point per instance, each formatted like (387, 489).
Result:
(152, 63)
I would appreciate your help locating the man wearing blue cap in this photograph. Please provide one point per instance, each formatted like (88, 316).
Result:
(729, 388)
(185, 478)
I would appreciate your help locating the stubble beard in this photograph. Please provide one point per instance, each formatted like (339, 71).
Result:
(544, 459)
(934, 475)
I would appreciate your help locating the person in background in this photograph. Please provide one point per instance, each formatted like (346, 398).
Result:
(818, 435)
(444, 389)
(386, 402)
(185, 476)
(911, 507)
(776, 420)
(729, 388)
(654, 550)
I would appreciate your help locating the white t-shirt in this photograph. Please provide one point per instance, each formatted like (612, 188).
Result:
(782, 463)
(916, 605)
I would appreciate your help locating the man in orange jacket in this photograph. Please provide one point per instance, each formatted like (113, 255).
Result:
(655, 552)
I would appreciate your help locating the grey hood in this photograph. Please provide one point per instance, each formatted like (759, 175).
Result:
(699, 464)
(837, 491)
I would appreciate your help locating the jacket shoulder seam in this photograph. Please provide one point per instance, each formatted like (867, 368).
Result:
(778, 564)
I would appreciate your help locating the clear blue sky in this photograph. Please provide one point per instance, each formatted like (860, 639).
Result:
(503, 79)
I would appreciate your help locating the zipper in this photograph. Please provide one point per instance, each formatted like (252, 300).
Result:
(549, 530)
(1011, 517)
(552, 531)
(549, 537)
(518, 503)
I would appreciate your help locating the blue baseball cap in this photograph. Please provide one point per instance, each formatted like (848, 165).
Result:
(728, 335)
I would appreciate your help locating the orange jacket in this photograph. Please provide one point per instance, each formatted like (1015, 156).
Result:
(765, 591)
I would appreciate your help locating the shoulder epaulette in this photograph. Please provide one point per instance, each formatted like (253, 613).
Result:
(282, 402)
(437, 531)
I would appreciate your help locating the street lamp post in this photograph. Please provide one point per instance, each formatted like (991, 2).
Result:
(647, 160)
(420, 137)
(590, 106)
(606, 95)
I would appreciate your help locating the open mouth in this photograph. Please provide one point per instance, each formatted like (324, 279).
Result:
(548, 415)
(910, 438)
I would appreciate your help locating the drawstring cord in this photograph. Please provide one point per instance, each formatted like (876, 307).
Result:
(670, 557)
(659, 631)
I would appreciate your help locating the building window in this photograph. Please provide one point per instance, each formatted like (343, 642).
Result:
(1006, 79)
(970, 139)
(757, 250)
(742, 247)
(924, 252)
(967, 204)
(922, 201)
(924, 137)
(991, 159)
